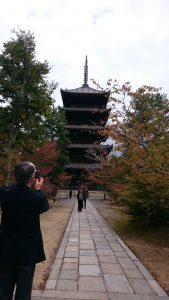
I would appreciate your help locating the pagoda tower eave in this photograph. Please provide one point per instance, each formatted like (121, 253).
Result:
(88, 146)
(84, 109)
(85, 90)
(76, 98)
(82, 166)
(83, 127)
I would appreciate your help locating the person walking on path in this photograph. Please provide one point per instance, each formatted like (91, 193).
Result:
(70, 194)
(21, 243)
(80, 199)
(85, 195)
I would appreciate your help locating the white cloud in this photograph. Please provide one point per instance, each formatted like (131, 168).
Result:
(124, 39)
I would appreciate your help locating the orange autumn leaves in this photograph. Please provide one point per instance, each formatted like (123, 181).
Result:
(139, 177)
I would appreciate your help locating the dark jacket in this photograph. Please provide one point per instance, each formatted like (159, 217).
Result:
(80, 195)
(21, 241)
(85, 194)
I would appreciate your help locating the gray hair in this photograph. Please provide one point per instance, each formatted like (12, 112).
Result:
(24, 171)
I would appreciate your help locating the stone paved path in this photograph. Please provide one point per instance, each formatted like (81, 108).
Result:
(94, 263)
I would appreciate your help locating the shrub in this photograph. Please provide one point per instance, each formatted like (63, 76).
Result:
(147, 197)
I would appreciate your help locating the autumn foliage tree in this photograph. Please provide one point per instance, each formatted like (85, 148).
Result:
(51, 157)
(140, 127)
(111, 176)
(45, 159)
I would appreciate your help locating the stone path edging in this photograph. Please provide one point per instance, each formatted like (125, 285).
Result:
(93, 262)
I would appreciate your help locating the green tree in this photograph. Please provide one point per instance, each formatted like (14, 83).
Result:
(56, 131)
(25, 95)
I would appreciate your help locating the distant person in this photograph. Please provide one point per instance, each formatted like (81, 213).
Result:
(80, 199)
(85, 195)
(21, 244)
(70, 194)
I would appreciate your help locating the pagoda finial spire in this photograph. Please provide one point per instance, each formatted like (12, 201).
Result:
(86, 73)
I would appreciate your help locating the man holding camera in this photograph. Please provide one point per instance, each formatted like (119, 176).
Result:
(21, 244)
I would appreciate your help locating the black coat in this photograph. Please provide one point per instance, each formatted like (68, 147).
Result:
(21, 241)
(80, 200)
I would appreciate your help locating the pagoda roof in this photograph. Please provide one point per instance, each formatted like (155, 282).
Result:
(83, 127)
(87, 109)
(85, 90)
(76, 145)
(82, 166)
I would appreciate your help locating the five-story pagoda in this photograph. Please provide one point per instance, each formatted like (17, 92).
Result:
(86, 114)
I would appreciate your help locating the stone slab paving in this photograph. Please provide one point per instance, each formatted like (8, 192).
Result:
(94, 263)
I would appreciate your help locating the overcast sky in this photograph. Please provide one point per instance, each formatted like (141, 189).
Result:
(127, 40)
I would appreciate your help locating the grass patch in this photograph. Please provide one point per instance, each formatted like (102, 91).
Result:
(155, 235)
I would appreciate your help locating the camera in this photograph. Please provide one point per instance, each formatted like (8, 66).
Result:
(37, 175)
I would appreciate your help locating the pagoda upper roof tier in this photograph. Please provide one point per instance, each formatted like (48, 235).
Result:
(84, 97)
(83, 166)
(85, 89)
